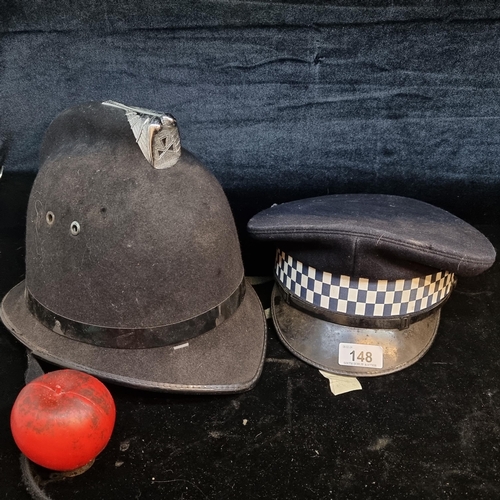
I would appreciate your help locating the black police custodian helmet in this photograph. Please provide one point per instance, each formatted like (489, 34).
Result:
(360, 279)
(133, 265)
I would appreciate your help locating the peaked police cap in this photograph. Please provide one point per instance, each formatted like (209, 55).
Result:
(361, 278)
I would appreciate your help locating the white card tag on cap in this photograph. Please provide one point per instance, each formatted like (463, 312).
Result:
(363, 355)
(340, 384)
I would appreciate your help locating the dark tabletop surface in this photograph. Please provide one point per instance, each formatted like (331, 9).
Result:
(430, 431)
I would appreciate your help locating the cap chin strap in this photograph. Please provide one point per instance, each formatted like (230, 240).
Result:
(360, 302)
(136, 338)
(396, 323)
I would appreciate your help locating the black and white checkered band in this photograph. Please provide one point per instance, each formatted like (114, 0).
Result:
(361, 296)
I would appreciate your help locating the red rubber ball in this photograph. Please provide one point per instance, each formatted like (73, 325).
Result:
(63, 419)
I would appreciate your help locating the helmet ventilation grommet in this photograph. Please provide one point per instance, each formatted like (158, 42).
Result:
(74, 228)
(50, 218)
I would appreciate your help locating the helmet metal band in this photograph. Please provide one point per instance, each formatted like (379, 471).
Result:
(137, 338)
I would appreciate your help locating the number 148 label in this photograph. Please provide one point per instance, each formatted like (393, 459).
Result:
(369, 356)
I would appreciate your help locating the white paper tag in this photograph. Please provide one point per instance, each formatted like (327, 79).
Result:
(364, 355)
(340, 384)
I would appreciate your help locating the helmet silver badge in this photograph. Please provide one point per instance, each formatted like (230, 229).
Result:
(156, 134)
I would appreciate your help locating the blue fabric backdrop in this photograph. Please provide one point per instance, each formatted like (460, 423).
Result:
(281, 100)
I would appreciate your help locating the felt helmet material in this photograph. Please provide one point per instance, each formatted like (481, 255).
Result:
(361, 279)
(134, 271)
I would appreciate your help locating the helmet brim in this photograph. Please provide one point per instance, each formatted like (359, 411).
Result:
(227, 359)
(317, 341)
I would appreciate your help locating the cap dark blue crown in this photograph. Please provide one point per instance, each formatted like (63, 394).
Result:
(374, 236)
